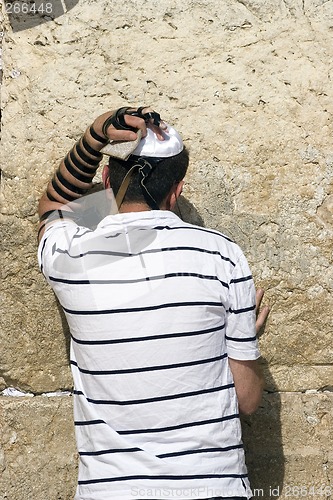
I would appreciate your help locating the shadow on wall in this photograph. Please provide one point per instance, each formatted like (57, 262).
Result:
(263, 443)
(65, 328)
(262, 430)
(23, 15)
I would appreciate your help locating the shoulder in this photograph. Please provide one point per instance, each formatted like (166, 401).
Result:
(58, 237)
(214, 238)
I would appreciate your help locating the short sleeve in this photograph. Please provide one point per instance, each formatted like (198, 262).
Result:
(241, 337)
(58, 237)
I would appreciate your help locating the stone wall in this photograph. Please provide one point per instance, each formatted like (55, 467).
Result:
(249, 84)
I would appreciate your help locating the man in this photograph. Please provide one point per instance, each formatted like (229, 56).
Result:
(162, 320)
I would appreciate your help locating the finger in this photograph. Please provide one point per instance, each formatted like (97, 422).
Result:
(261, 318)
(158, 131)
(120, 135)
(136, 122)
(259, 296)
(161, 124)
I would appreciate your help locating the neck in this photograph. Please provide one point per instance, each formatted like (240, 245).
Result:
(133, 207)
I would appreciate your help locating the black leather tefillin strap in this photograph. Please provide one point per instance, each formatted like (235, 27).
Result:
(117, 119)
(144, 168)
(52, 215)
(150, 115)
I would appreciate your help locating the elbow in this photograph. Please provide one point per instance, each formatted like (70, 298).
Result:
(249, 384)
(249, 408)
(249, 404)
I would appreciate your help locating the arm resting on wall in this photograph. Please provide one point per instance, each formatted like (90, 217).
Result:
(248, 378)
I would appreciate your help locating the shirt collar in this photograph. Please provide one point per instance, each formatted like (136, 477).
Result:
(150, 216)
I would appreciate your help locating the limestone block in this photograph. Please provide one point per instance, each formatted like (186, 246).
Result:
(297, 377)
(288, 444)
(248, 84)
(34, 345)
(38, 458)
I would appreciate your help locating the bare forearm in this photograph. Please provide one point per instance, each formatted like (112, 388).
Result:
(249, 384)
(75, 173)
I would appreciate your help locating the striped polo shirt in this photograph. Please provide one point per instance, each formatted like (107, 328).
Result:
(155, 307)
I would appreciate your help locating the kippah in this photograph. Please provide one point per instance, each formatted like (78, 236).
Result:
(150, 146)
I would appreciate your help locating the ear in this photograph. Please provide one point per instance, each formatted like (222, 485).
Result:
(174, 194)
(105, 177)
(179, 188)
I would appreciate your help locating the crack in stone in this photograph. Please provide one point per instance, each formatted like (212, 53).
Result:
(251, 11)
(13, 392)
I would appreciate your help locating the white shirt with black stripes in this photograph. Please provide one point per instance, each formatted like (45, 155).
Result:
(155, 307)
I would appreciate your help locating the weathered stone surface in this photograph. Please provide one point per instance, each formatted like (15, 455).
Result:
(255, 109)
(288, 445)
(34, 339)
(298, 377)
(37, 451)
(249, 85)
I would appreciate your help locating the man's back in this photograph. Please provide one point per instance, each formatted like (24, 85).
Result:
(155, 307)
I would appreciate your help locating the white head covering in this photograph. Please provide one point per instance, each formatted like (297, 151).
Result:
(152, 147)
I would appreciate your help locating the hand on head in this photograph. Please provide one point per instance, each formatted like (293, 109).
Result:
(122, 124)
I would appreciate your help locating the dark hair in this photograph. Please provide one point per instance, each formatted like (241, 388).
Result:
(166, 172)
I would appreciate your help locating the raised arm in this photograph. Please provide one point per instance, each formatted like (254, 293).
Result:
(76, 171)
